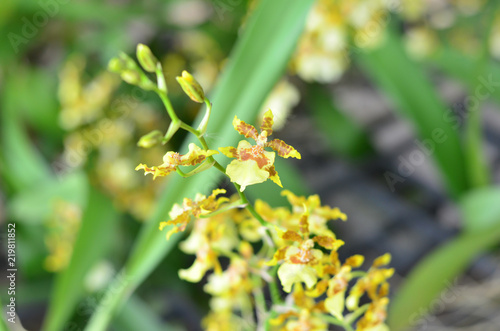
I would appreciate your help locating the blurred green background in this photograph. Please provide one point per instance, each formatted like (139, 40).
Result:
(392, 104)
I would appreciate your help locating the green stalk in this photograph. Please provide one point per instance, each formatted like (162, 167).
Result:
(168, 106)
(357, 313)
(250, 207)
(260, 300)
(273, 287)
(336, 321)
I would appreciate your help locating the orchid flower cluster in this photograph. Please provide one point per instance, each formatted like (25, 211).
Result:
(283, 270)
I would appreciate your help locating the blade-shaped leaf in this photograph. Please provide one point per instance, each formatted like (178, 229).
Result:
(22, 165)
(97, 226)
(34, 205)
(438, 270)
(137, 315)
(434, 274)
(481, 209)
(413, 95)
(463, 68)
(344, 135)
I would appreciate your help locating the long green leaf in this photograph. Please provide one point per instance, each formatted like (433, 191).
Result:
(413, 95)
(434, 274)
(32, 206)
(257, 61)
(437, 271)
(22, 164)
(97, 226)
(345, 136)
(481, 209)
(484, 85)
(137, 315)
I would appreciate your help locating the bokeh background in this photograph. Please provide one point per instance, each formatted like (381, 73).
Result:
(392, 104)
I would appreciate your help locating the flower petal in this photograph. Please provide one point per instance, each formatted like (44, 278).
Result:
(319, 289)
(328, 242)
(283, 149)
(379, 327)
(335, 305)
(355, 261)
(194, 273)
(331, 213)
(229, 151)
(196, 155)
(279, 255)
(246, 173)
(267, 123)
(247, 130)
(156, 171)
(290, 274)
(273, 175)
(292, 235)
(382, 260)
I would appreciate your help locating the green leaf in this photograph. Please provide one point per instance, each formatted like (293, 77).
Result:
(97, 226)
(413, 95)
(41, 109)
(33, 205)
(462, 67)
(137, 315)
(476, 163)
(22, 164)
(434, 274)
(481, 209)
(438, 270)
(345, 136)
(255, 65)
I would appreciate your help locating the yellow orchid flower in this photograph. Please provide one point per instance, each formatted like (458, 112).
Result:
(253, 163)
(374, 283)
(200, 206)
(374, 317)
(172, 160)
(209, 237)
(302, 263)
(318, 216)
(306, 317)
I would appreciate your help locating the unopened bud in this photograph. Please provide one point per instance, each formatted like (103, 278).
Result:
(116, 65)
(130, 76)
(146, 58)
(191, 87)
(128, 62)
(150, 139)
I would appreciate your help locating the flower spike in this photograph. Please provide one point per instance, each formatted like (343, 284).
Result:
(172, 160)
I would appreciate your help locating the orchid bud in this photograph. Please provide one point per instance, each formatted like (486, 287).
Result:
(146, 58)
(191, 87)
(150, 139)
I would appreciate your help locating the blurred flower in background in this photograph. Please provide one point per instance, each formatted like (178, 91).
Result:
(333, 29)
(62, 229)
